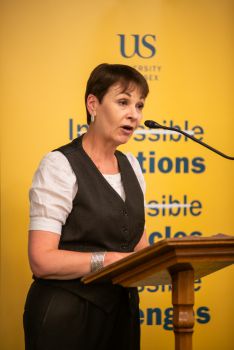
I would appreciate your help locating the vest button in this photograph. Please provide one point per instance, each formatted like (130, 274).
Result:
(125, 212)
(124, 245)
(124, 229)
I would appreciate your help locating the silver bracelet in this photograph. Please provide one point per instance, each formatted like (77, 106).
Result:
(97, 261)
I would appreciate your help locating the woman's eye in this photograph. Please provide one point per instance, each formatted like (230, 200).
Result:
(123, 102)
(140, 106)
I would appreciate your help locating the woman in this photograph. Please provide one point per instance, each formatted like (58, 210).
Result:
(87, 211)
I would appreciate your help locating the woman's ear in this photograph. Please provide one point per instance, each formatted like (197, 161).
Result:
(91, 104)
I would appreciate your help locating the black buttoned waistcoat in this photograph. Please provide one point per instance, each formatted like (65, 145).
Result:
(100, 220)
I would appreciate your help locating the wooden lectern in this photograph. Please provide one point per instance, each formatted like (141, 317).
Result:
(172, 261)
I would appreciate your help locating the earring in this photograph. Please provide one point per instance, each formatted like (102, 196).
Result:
(92, 118)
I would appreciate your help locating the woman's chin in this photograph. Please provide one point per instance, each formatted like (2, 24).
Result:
(123, 139)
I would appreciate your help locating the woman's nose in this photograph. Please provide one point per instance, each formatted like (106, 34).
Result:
(133, 113)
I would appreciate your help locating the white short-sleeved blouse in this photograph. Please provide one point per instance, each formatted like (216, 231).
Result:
(55, 186)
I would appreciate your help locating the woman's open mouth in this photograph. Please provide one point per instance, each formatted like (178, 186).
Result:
(127, 129)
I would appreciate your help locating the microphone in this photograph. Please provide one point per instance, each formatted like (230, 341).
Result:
(154, 125)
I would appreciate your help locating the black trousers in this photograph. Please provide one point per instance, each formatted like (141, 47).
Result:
(56, 319)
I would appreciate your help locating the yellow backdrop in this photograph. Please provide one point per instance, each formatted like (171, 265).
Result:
(185, 50)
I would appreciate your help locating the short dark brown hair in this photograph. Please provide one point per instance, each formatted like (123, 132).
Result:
(105, 75)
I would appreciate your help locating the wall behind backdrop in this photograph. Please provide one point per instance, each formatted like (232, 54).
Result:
(185, 50)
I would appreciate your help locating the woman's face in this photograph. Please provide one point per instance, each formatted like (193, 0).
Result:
(119, 113)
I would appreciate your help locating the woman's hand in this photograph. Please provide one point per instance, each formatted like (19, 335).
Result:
(111, 257)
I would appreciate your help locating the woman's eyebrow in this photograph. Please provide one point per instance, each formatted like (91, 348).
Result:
(129, 94)
(124, 93)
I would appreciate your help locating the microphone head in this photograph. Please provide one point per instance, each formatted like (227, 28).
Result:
(152, 124)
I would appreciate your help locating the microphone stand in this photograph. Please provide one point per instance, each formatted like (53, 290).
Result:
(154, 125)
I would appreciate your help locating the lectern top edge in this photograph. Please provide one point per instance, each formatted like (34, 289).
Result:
(165, 247)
